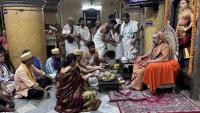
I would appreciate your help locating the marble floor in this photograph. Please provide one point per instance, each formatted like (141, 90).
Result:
(47, 105)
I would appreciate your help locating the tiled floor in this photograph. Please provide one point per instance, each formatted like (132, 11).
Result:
(47, 105)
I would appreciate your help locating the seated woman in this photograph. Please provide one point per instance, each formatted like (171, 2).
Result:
(53, 63)
(25, 83)
(156, 67)
(71, 95)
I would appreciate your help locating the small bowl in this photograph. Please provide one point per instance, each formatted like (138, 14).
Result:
(124, 61)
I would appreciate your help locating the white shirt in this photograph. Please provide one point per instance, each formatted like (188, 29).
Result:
(127, 31)
(67, 29)
(70, 47)
(98, 38)
(85, 34)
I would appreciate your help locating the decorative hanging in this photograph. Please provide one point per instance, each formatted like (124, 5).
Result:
(166, 12)
(194, 28)
(2, 20)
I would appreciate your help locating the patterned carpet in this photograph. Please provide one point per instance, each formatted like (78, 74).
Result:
(126, 95)
(161, 103)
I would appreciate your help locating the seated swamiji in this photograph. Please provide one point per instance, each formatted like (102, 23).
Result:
(155, 68)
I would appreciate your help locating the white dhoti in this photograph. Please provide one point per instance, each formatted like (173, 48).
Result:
(70, 47)
(127, 31)
(130, 51)
(101, 50)
(85, 34)
(119, 50)
(99, 44)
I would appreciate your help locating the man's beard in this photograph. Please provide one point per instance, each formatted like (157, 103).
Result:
(56, 63)
(82, 25)
(70, 39)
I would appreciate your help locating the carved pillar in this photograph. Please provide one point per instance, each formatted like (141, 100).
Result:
(24, 21)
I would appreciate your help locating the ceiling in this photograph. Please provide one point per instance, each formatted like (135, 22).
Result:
(94, 2)
(51, 5)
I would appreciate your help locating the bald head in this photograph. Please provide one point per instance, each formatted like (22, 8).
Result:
(158, 37)
(70, 21)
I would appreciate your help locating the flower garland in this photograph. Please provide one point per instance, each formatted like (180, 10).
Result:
(194, 27)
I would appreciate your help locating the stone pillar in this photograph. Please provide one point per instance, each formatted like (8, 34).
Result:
(24, 21)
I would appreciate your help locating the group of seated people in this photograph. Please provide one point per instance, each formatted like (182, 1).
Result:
(31, 82)
(27, 82)
(153, 69)
(73, 95)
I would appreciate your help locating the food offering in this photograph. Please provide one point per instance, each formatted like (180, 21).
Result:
(121, 80)
(107, 76)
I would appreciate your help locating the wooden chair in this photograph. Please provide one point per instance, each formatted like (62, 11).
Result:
(172, 40)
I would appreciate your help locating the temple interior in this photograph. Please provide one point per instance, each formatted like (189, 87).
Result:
(99, 56)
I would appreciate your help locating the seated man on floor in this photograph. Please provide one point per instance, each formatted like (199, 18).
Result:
(36, 62)
(108, 57)
(155, 68)
(6, 76)
(53, 63)
(71, 94)
(25, 84)
(91, 57)
(85, 70)
(6, 103)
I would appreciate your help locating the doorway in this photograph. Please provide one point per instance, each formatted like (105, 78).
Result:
(1, 20)
(91, 16)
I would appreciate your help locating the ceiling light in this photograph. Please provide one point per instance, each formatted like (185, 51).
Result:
(86, 7)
